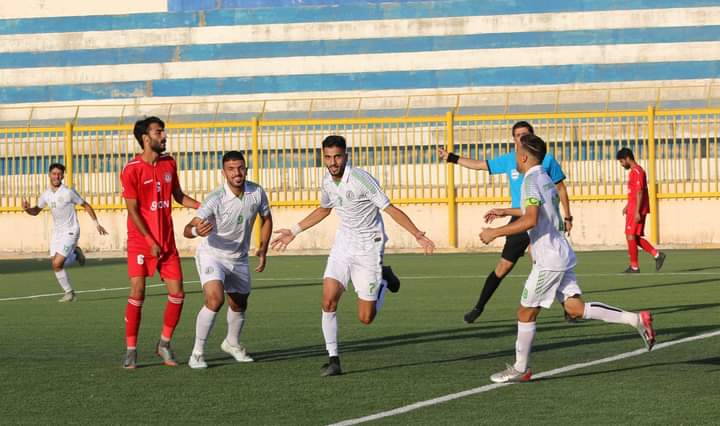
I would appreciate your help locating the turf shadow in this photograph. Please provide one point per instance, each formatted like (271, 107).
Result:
(678, 332)
(487, 331)
(679, 283)
(706, 361)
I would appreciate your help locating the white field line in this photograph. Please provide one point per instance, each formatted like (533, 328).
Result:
(487, 388)
(404, 277)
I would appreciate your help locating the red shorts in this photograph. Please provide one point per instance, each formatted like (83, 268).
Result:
(632, 228)
(140, 264)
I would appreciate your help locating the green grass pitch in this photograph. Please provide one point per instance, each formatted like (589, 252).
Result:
(60, 363)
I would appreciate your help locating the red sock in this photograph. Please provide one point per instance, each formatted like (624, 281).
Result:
(133, 312)
(633, 252)
(645, 244)
(173, 309)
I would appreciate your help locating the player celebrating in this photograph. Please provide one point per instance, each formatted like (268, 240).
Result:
(357, 252)
(150, 182)
(635, 211)
(226, 218)
(66, 229)
(516, 244)
(552, 274)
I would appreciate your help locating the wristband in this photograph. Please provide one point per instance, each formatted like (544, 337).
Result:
(452, 158)
(193, 231)
(296, 229)
(197, 205)
(150, 240)
(569, 218)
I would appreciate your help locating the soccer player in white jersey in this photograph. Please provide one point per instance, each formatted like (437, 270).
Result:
(357, 253)
(66, 230)
(552, 276)
(226, 218)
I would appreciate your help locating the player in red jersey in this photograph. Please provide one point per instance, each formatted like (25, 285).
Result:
(150, 183)
(637, 208)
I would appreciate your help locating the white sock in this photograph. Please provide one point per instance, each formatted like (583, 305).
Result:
(72, 257)
(203, 326)
(64, 280)
(523, 345)
(607, 313)
(330, 332)
(236, 321)
(381, 296)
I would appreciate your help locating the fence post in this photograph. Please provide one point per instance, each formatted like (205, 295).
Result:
(68, 145)
(652, 176)
(450, 181)
(255, 127)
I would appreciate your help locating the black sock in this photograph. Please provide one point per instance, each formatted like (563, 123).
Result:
(492, 282)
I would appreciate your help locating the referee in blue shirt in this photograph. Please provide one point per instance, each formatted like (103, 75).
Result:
(515, 245)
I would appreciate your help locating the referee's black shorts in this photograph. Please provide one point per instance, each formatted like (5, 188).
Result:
(515, 245)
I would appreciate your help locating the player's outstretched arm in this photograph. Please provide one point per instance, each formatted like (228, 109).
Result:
(465, 162)
(184, 200)
(403, 220)
(89, 210)
(197, 227)
(527, 221)
(286, 236)
(32, 211)
(266, 226)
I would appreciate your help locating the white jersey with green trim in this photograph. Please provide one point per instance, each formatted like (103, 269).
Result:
(233, 218)
(358, 199)
(62, 204)
(551, 251)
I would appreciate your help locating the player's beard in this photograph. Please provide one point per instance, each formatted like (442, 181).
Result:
(340, 171)
(232, 182)
(159, 147)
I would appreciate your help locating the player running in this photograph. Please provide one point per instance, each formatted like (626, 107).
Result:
(357, 253)
(635, 211)
(516, 244)
(552, 275)
(226, 218)
(150, 183)
(66, 229)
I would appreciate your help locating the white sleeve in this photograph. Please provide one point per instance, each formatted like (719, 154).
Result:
(208, 207)
(264, 208)
(375, 194)
(325, 201)
(75, 197)
(42, 201)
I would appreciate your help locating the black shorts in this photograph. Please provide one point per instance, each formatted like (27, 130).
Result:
(515, 245)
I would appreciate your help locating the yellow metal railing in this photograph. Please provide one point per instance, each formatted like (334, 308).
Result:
(678, 148)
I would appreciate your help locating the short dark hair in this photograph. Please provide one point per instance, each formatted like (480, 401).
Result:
(334, 141)
(233, 155)
(56, 166)
(534, 146)
(141, 127)
(625, 153)
(520, 125)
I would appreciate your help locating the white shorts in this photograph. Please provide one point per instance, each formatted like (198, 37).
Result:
(360, 263)
(63, 243)
(234, 274)
(542, 287)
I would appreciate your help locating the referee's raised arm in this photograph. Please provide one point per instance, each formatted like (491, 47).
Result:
(465, 162)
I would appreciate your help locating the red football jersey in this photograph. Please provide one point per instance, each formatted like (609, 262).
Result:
(636, 182)
(152, 186)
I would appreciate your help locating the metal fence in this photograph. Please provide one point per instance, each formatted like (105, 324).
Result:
(678, 148)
